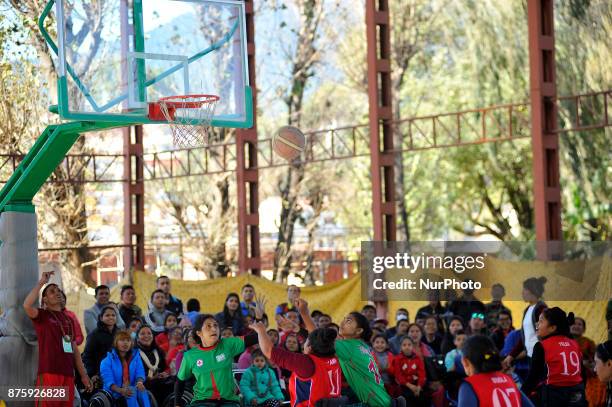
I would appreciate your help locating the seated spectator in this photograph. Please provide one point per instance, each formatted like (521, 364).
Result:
(227, 332)
(246, 359)
(380, 324)
(314, 315)
(595, 390)
(190, 343)
(452, 360)
(466, 305)
(162, 338)
(90, 316)
(335, 327)
(128, 310)
(193, 310)
(432, 338)
(123, 374)
(154, 362)
(133, 326)
(434, 388)
(247, 305)
(420, 319)
(400, 315)
(324, 321)
(99, 343)
(369, 311)
(504, 327)
(274, 336)
(156, 317)
(259, 385)
(293, 293)
(408, 369)
(231, 316)
(175, 345)
(477, 325)
(455, 324)
(173, 304)
(401, 329)
(496, 306)
(78, 332)
(383, 359)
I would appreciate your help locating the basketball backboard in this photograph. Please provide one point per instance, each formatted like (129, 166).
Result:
(116, 56)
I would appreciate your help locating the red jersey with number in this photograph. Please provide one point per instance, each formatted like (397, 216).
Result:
(495, 389)
(408, 369)
(324, 383)
(563, 360)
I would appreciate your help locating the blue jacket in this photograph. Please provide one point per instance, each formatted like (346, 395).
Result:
(111, 372)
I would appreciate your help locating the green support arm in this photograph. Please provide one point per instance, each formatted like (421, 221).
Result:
(47, 153)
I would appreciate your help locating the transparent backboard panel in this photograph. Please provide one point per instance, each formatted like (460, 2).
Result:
(115, 56)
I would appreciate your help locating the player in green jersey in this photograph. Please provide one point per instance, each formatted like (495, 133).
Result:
(356, 360)
(210, 363)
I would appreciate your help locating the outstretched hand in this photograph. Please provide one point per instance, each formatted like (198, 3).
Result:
(301, 305)
(287, 325)
(260, 306)
(46, 276)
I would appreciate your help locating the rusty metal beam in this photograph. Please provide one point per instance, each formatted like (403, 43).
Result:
(382, 152)
(133, 198)
(448, 130)
(247, 174)
(544, 110)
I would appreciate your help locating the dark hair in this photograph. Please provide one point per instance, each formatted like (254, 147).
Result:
(227, 317)
(160, 277)
(155, 292)
(604, 351)
(456, 318)
(505, 312)
(535, 285)
(562, 321)
(375, 337)
(124, 288)
(583, 321)
(257, 353)
(402, 309)
(293, 285)
(482, 353)
(315, 313)
(199, 322)
(421, 315)
(103, 310)
(247, 285)
(364, 324)
(368, 306)
(418, 326)
(407, 338)
(100, 287)
(402, 321)
(193, 305)
(459, 332)
(334, 325)
(168, 315)
(322, 342)
(292, 334)
(44, 291)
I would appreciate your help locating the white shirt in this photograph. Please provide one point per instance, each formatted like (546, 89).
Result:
(529, 330)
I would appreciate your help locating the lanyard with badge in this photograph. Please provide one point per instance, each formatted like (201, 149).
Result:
(66, 338)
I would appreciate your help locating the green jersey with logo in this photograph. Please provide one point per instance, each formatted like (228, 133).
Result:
(212, 369)
(361, 372)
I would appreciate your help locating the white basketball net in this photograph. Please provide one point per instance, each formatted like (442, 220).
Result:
(189, 118)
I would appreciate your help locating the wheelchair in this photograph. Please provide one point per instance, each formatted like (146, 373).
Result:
(103, 398)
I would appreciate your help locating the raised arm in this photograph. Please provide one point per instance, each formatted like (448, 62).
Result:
(28, 303)
(302, 307)
(265, 344)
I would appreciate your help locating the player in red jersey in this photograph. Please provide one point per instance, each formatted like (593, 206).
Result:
(556, 363)
(486, 385)
(316, 374)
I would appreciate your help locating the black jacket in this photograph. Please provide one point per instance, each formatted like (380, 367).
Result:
(99, 343)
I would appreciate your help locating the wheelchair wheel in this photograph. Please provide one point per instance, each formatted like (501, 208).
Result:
(101, 398)
(169, 401)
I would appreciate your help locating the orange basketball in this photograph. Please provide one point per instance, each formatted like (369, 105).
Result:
(288, 142)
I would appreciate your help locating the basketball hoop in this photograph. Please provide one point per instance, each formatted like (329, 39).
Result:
(189, 117)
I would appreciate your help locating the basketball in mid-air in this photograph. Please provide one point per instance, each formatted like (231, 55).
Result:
(288, 142)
